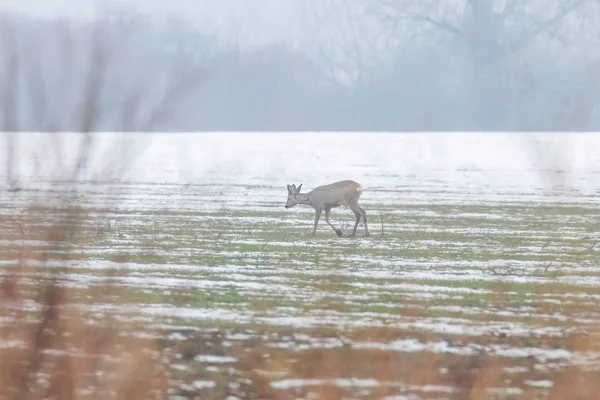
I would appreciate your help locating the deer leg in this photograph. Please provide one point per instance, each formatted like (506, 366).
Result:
(317, 216)
(357, 214)
(364, 216)
(356, 210)
(337, 231)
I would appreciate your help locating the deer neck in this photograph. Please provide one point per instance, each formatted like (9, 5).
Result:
(303, 198)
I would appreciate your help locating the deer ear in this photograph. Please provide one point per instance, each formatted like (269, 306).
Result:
(289, 189)
(299, 187)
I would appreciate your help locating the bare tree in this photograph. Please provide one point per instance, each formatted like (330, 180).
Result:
(345, 40)
(491, 31)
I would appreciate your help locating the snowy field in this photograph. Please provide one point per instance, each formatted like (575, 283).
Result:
(482, 249)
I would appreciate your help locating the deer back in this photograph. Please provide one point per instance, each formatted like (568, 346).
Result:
(338, 193)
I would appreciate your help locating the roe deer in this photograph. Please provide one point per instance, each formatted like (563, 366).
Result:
(326, 197)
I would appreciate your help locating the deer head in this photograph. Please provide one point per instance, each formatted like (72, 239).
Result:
(293, 193)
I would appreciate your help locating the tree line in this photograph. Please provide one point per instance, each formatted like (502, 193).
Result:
(381, 65)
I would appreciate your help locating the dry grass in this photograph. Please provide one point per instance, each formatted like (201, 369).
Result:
(346, 371)
(49, 347)
(53, 350)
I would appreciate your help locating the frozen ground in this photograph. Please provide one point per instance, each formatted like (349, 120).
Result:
(192, 227)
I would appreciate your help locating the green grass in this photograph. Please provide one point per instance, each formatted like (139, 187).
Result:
(232, 259)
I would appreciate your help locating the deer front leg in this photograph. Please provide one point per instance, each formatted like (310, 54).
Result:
(337, 231)
(357, 214)
(317, 216)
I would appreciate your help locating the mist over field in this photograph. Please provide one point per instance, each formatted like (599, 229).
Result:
(382, 65)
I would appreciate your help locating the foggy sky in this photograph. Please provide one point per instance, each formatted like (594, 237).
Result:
(246, 22)
(302, 65)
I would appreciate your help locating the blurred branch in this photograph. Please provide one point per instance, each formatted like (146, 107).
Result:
(401, 10)
(9, 77)
(343, 46)
(8, 82)
(443, 25)
(327, 60)
(566, 8)
(356, 51)
(91, 98)
(181, 85)
(38, 92)
(65, 53)
(406, 13)
(130, 110)
(98, 62)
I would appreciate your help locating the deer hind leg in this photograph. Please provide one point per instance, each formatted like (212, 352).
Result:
(337, 231)
(364, 217)
(317, 216)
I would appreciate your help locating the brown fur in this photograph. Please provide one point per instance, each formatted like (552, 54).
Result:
(324, 198)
